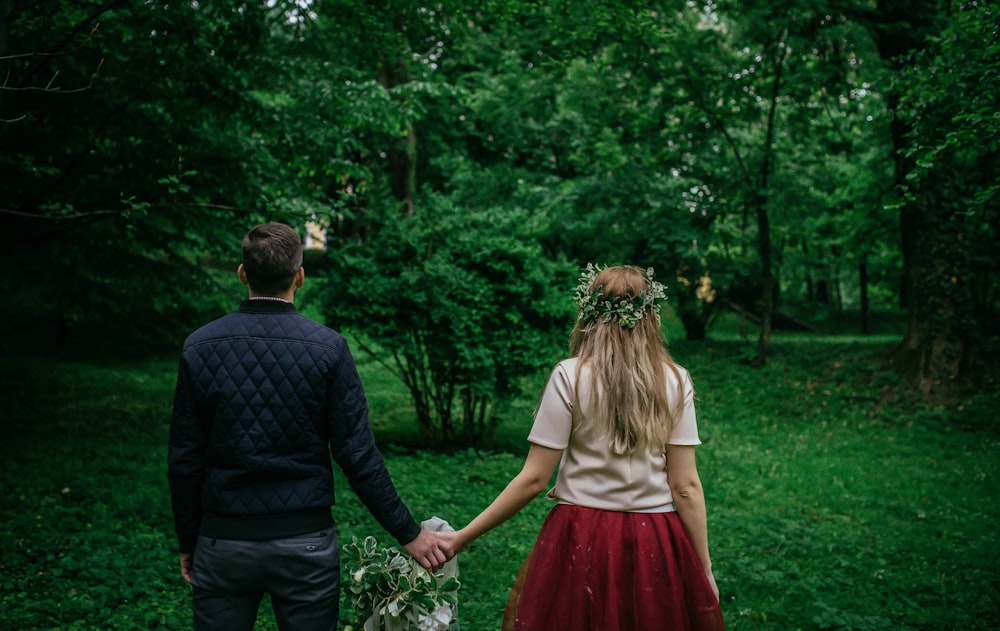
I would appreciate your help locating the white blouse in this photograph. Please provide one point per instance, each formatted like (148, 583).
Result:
(589, 474)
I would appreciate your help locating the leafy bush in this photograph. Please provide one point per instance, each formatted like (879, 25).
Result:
(390, 588)
(462, 304)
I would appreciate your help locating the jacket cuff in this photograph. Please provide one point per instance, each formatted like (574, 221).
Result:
(407, 533)
(187, 544)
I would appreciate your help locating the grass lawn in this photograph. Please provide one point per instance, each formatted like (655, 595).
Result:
(836, 501)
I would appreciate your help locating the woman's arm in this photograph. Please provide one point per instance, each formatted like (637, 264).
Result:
(526, 485)
(689, 501)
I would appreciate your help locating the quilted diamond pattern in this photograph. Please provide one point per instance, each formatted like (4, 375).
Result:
(264, 396)
(263, 380)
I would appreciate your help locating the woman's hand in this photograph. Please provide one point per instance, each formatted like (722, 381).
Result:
(455, 540)
(538, 468)
(711, 581)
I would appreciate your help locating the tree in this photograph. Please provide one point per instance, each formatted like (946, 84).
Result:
(946, 139)
(114, 196)
(766, 83)
(465, 305)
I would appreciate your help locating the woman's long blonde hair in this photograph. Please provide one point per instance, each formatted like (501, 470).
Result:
(627, 368)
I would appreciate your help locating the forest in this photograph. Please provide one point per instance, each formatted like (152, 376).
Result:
(792, 170)
(788, 160)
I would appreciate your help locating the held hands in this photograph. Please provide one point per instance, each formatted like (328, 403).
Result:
(431, 550)
(455, 540)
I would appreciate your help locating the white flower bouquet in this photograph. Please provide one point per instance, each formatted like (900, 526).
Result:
(390, 591)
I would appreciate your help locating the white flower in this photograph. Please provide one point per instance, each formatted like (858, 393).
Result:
(439, 620)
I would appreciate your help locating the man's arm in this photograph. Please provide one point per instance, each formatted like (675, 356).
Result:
(353, 447)
(186, 467)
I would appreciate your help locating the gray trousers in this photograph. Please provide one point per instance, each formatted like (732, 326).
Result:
(301, 575)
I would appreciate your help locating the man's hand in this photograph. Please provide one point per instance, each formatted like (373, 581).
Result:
(430, 549)
(187, 565)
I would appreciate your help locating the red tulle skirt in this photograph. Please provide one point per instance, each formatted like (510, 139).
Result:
(599, 570)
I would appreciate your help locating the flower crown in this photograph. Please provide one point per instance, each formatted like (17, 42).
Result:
(628, 309)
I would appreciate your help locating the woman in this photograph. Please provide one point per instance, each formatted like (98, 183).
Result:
(626, 546)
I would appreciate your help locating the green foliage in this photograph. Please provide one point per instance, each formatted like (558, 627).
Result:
(845, 484)
(462, 303)
(759, 95)
(395, 592)
(87, 541)
(114, 193)
(949, 99)
(142, 141)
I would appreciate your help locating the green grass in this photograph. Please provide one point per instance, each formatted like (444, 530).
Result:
(837, 505)
(836, 500)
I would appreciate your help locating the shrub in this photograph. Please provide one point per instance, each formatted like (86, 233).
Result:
(462, 305)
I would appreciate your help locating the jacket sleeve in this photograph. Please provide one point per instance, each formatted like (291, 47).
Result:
(353, 447)
(186, 461)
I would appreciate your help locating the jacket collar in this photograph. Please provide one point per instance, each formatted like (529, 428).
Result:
(266, 306)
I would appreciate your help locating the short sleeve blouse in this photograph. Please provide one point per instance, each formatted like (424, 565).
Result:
(589, 474)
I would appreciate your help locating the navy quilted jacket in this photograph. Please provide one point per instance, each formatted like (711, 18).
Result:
(264, 397)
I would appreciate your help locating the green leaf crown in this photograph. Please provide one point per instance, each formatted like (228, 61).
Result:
(594, 304)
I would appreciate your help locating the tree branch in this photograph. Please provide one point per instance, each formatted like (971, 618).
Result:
(729, 141)
(396, 371)
(48, 88)
(90, 19)
(120, 211)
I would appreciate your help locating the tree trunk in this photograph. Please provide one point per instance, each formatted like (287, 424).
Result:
(6, 15)
(767, 284)
(863, 283)
(823, 292)
(943, 334)
(838, 293)
(940, 329)
(411, 171)
(402, 161)
(810, 286)
(695, 325)
(764, 245)
(908, 236)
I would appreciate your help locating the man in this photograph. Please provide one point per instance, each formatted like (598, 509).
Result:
(264, 396)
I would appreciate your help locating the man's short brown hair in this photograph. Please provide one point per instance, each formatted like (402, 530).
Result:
(272, 255)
